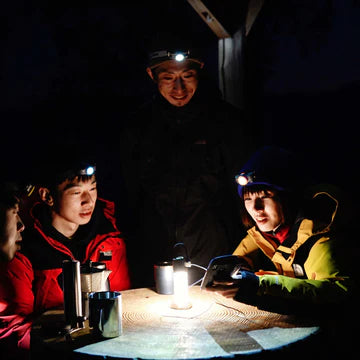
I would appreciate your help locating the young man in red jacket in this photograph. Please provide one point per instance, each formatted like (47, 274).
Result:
(70, 221)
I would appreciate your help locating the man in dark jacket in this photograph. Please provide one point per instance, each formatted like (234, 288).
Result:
(179, 154)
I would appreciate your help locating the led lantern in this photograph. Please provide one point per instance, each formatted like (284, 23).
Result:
(181, 299)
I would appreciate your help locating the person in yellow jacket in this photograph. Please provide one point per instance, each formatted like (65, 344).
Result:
(292, 257)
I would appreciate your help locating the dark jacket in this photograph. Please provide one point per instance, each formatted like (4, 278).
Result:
(179, 166)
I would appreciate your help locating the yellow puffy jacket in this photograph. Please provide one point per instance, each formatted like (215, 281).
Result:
(311, 268)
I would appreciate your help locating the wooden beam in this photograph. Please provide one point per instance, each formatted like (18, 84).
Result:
(209, 18)
(253, 10)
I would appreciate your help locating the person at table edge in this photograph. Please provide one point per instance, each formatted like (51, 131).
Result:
(296, 251)
(69, 221)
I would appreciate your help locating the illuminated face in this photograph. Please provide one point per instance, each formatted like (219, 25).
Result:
(265, 209)
(176, 81)
(10, 232)
(74, 205)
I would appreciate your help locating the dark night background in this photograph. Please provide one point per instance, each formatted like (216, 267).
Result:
(72, 71)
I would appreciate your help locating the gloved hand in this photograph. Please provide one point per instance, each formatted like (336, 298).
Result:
(220, 269)
(248, 285)
(241, 285)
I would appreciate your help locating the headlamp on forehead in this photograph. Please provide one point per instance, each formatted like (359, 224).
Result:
(89, 170)
(29, 189)
(245, 178)
(169, 55)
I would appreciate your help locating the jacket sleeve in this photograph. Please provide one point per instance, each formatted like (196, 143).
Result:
(305, 290)
(16, 303)
(324, 284)
(247, 249)
(119, 278)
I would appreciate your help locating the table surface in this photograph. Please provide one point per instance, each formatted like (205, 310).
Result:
(213, 327)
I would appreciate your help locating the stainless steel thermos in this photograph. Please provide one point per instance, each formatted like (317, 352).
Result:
(72, 294)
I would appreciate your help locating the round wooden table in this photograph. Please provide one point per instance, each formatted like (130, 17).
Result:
(213, 327)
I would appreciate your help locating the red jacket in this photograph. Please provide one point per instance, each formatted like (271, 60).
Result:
(16, 305)
(32, 284)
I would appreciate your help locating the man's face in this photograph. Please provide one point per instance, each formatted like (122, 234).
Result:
(75, 202)
(176, 81)
(11, 227)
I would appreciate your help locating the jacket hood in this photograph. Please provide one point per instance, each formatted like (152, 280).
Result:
(327, 206)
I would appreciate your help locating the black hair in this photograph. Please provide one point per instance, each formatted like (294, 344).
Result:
(69, 175)
(9, 194)
(62, 163)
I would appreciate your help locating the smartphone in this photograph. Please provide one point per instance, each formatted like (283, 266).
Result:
(221, 269)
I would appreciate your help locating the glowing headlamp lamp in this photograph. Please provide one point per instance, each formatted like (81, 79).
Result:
(170, 55)
(90, 170)
(245, 178)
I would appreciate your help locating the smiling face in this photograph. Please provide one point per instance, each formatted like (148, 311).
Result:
(176, 81)
(265, 209)
(11, 227)
(73, 205)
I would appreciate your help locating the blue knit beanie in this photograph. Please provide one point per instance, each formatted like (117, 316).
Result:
(272, 166)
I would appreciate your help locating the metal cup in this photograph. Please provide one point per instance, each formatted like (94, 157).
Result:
(163, 274)
(105, 312)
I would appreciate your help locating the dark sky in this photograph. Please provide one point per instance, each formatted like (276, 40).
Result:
(304, 78)
(72, 71)
(69, 49)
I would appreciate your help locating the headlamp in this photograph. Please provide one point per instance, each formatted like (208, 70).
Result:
(169, 55)
(245, 178)
(29, 189)
(158, 57)
(90, 170)
(179, 57)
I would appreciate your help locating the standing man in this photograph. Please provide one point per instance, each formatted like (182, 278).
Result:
(179, 153)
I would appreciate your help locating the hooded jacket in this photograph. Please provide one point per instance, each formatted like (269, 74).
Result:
(32, 282)
(309, 266)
